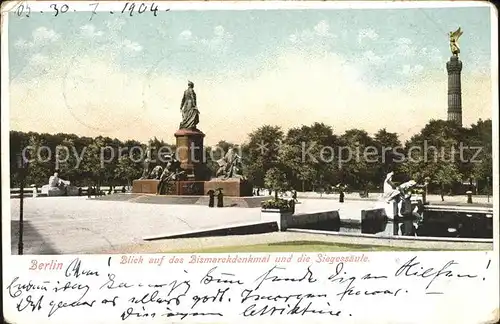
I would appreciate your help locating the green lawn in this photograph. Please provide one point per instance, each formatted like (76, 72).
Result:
(299, 246)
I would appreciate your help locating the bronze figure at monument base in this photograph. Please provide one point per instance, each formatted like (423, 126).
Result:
(174, 188)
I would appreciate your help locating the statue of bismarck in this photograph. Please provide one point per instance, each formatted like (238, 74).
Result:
(189, 109)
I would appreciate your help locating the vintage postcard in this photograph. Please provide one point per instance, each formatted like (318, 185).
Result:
(272, 161)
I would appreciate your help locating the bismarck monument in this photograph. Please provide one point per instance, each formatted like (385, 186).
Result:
(186, 172)
(454, 68)
(189, 139)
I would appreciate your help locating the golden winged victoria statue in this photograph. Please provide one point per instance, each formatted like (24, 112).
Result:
(454, 36)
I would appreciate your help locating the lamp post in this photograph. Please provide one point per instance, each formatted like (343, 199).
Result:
(488, 187)
(21, 166)
(321, 186)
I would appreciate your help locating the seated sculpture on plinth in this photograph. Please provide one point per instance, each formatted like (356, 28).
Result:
(58, 187)
(229, 165)
(56, 182)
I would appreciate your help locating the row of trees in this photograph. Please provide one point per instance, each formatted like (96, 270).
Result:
(304, 158)
(443, 154)
(90, 161)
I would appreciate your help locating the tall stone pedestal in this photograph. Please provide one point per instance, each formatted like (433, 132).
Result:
(454, 68)
(190, 152)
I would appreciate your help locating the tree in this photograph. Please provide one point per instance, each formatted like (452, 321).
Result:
(262, 152)
(18, 141)
(91, 163)
(277, 180)
(66, 160)
(310, 154)
(433, 154)
(223, 147)
(39, 167)
(359, 166)
(109, 159)
(159, 149)
(445, 176)
(478, 157)
(387, 145)
(300, 171)
(127, 170)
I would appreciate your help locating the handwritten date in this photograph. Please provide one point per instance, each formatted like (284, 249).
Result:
(58, 9)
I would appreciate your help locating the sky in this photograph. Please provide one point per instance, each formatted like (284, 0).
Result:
(123, 77)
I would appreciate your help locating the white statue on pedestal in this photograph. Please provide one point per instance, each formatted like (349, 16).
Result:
(400, 205)
(393, 195)
(388, 185)
(402, 190)
(58, 187)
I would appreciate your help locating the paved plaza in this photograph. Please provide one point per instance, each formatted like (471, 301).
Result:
(60, 225)
(69, 225)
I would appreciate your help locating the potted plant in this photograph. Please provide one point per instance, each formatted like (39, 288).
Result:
(280, 204)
